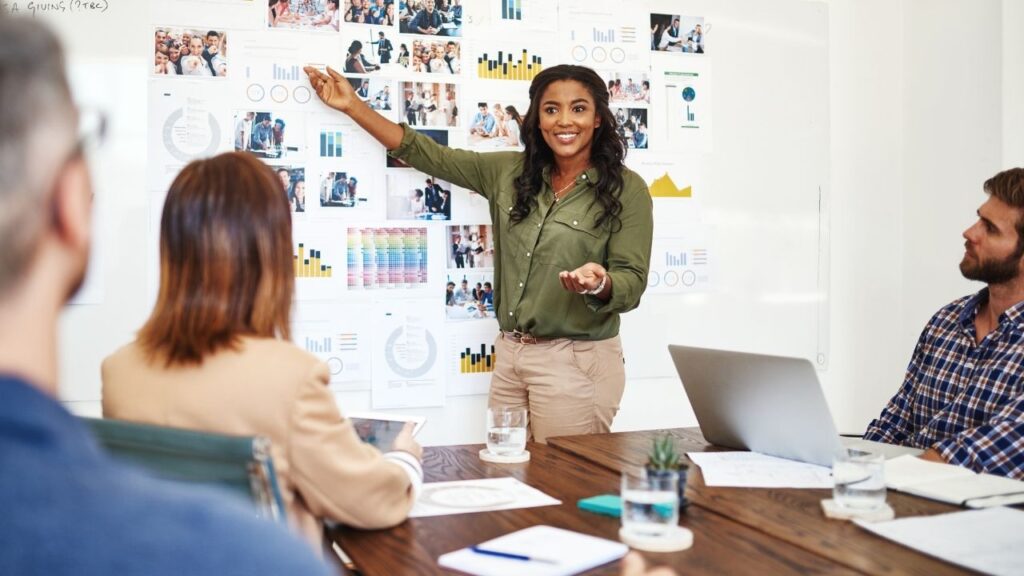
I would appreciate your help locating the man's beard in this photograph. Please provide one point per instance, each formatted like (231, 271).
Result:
(992, 271)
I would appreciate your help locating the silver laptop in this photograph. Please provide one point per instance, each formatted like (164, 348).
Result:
(768, 404)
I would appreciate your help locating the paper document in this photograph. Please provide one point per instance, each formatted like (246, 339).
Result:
(753, 470)
(488, 494)
(984, 540)
(952, 484)
(535, 551)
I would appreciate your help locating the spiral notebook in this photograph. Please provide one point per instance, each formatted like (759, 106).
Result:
(551, 552)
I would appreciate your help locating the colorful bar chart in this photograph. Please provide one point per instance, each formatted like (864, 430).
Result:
(330, 144)
(286, 72)
(309, 265)
(386, 258)
(511, 9)
(505, 68)
(476, 362)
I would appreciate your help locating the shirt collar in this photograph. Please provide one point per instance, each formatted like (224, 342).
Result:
(28, 415)
(591, 175)
(1013, 316)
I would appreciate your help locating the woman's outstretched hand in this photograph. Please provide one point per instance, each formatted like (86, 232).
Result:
(332, 88)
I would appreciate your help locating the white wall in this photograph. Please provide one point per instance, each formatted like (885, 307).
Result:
(927, 101)
(918, 125)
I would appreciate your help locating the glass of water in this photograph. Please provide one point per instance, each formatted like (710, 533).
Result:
(506, 431)
(859, 478)
(650, 502)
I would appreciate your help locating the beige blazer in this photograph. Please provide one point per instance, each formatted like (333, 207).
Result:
(274, 389)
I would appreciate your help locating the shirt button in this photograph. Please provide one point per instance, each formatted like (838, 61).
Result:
(520, 284)
(539, 225)
(527, 254)
(509, 313)
(584, 176)
(575, 223)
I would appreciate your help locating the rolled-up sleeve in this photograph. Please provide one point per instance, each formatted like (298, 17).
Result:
(476, 171)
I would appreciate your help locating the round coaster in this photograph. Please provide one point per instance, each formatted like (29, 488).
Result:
(677, 539)
(486, 456)
(880, 514)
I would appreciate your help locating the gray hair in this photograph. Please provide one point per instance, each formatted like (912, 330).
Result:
(37, 130)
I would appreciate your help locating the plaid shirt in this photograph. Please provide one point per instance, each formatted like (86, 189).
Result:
(962, 398)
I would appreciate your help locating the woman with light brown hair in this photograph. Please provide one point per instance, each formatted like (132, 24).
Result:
(215, 356)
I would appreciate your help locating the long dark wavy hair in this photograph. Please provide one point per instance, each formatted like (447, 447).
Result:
(606, 154)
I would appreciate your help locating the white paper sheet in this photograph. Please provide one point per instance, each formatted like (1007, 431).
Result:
(557, 552)
(753, 470)
(489, 494)
(984, 540)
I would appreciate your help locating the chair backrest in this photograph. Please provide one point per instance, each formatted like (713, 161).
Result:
(240, 464)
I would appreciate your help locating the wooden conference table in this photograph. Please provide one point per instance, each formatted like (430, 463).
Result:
(736, 531)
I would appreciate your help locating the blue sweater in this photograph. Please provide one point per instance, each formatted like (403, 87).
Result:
(68, 509)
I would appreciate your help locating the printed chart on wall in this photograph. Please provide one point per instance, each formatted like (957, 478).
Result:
(407, 355)
(515, 15)
(340, 336)
(270, 73)
(386, 258)
(317, 252)
(688, 108)
(470, 357)
(184, 124)
(594, 33)
(681, 254)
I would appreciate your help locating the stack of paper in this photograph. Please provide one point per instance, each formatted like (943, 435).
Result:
(952, 484)
(550, 552)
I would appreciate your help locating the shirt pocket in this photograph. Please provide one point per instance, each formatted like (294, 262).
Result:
(571, 239)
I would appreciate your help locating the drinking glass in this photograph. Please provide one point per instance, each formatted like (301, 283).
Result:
(650, 502)
(506, 431)
(859, 478)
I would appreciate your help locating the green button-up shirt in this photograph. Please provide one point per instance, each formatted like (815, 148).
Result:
(556, 236)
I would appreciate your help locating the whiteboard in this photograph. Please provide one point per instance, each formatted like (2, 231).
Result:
(760, 179)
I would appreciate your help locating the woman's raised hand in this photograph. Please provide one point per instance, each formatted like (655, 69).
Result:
(332, 88)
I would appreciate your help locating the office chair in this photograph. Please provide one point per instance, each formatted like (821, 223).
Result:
(240, 464)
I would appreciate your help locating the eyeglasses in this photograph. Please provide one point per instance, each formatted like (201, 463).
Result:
(92, 131)
(90, 135)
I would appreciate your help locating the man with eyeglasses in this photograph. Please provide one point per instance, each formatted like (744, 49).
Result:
(68, 508)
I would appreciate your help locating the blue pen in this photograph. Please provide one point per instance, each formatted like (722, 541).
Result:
(511, 556)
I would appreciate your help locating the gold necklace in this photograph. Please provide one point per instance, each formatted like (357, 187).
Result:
(558, 193)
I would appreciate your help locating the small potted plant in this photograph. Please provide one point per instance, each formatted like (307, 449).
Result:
(665, 461)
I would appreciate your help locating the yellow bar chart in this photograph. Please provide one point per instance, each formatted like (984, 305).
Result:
(475, 363)
(309, 264)
(505, 68)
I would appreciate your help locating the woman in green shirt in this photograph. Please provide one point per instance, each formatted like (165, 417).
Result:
(572, 229)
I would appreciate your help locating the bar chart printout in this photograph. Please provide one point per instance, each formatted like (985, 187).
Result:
(476, 362)
(286, 72)
(330, 144)
(512, 9)
(308, 264)
(504, 66)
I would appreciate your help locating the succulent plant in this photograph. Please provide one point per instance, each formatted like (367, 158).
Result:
(663, 455)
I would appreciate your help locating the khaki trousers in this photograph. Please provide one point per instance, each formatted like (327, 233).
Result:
(568, 386)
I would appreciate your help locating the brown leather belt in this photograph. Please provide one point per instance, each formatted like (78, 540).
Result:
(523, 338)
